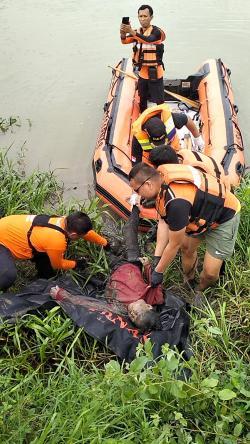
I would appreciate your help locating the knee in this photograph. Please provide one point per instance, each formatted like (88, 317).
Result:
(7, 278)
(210, 275)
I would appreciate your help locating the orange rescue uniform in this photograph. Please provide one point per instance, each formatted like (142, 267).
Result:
(146, 53)
(165, 114)
(13, 235)
(212, 203)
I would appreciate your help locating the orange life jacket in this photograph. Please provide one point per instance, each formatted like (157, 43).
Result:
(172, 137)
(204, 163)
(149, 54)
(207, 195)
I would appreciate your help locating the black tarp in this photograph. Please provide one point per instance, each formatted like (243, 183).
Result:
(88, 309)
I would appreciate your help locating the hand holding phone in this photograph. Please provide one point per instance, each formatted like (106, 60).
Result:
(125, 20)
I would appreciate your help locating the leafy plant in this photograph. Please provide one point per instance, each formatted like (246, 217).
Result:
(59, 385)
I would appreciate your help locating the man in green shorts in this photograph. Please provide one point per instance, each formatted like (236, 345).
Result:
(192, 208)
(219, 243)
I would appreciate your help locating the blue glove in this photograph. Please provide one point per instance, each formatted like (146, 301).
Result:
(156, 279)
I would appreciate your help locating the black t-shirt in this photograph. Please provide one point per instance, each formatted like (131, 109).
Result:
(178, 212)
(180, 120)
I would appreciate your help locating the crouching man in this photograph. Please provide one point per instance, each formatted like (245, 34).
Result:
(44, 240)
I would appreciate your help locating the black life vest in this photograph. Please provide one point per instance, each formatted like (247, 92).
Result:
(42, 220)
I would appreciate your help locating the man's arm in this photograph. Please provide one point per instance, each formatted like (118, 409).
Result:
(199, 143)
(181, 119)
(56, 257)
(130, 233)
(175, 241)
(57, 260)
(173, 234)
(125, 39)
(192, 127)
(162, 237)
(95, 238)
(155, 37)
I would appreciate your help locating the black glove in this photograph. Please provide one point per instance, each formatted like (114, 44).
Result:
(152, 233)
(107, 247)
(148, 203)
(81, 263)
(156, 279)
(155, 261)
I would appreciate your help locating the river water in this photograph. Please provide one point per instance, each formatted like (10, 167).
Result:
(54, 74)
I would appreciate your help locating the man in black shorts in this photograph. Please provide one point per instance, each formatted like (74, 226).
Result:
(147, 56)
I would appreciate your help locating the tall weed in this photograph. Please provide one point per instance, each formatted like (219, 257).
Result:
(58, 385)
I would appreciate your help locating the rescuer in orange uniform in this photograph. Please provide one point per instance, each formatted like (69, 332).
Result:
(157, 125)
(147, 56)
(43, 239)
(193, 207)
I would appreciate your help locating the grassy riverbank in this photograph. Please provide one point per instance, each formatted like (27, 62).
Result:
(60, 386)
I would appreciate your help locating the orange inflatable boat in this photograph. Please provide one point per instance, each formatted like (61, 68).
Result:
(205, 96)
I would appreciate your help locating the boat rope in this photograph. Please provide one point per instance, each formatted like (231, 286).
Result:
(120, 149)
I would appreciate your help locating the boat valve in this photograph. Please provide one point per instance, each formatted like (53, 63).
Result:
(98, 165)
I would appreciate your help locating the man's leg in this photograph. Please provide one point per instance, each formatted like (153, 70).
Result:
(130, 233)
(43, 266)
(156, 91)
(219, 247)
(143, 93)
(211, 271)
(189, 256)
(8, 271)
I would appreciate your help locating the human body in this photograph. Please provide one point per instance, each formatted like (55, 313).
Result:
(129, 282)
(147, 56)
(128, 290)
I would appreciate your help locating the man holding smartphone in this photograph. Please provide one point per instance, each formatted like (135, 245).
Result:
(148, 52)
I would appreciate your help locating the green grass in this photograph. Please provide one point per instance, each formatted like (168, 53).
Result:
(60, 386)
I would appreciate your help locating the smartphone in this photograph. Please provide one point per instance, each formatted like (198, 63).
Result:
(125, 20)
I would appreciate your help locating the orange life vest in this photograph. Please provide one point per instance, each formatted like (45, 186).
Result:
(172, 137)
(149, 54)
(204, 163)
(207, 195)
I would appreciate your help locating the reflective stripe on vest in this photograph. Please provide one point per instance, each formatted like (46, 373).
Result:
(147, 54)
(166, 116)
(170, 128)
(145, 144)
